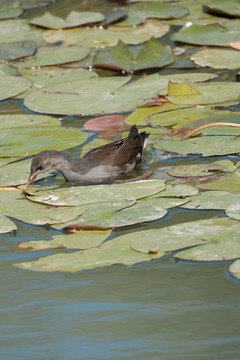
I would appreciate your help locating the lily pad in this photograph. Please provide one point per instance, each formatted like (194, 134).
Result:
(206, 93)
(230, 8)
(79, 240)
(53, 75)
(229, 183)
(139, 12)
(234, 269)
(80, 195)
(115, 251)
(11, 86)
(95, 38)
(152, 54)
(178, 191)
(217, 58)
(25, 141)
(212, 200)
(19, 30)
(73, 19)
(201, 169)
(206, 145)
(9, 10)
(212, 35)
(35, 4)
(17, 50)
(233, 211)
(6, 225)
(27, 120)
(15, 205)
(46, 56)
(225, 247)
(207, 233)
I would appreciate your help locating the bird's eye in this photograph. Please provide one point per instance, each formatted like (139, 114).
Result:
(40, 168)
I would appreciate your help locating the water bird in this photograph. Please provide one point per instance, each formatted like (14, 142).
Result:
(105, 162)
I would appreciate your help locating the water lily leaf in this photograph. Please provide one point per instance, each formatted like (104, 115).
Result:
(27, 120)
(180, 236)
(11, 10)
(14, 173)
(178, 89)
(94, 95)
(178, 191)
(231, 7)
(212, 200)
(46, 56)
(11, 86)
(233, 211)
(53, 75)
(225, 247)
(234, 269)
(178, 116)
(206, 145)
(217, 58)
(140, 11)
(35, 4)
(213, 35)
(209, 93)
(78, 240)
(201, 169)
(175, 237)
(76, 196)
(152, 54)
(115, 251)
(109, 126)
(17, 50)
(94, 214)
(74, 18)
(229, 183)
(13, 203)
(6, 225)
(19, 30)
(234, 44)
(95, 38)
(25, 141)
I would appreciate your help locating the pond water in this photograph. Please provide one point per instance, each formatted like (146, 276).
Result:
(157, 310)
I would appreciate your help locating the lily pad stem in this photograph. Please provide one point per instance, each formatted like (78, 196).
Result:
(194, 131)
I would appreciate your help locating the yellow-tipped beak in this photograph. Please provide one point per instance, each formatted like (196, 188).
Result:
(31, 179)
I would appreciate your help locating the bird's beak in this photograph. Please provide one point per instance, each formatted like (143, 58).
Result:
(31, 179)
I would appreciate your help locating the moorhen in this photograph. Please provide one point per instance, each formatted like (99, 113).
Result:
(104, 163)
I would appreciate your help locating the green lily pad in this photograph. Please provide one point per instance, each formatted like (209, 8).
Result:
(80, 240)
(27, 120)
(25, 141)
(9, 10)
(206, 93)
(11, 86)
(225, 247)
(212, 200)
(6, 225)
(152, 54)
(96, 213)
(17, 50)
(73, 19)
(234, 269)
(201, 169)
(95, 38)
(13, 204)
(35, 4)
(178, 191)
(76, 196)
(115, 251)
(19, 30)
(231, 7)
(213, 35)
(54, 75)
(233, 211)
(217, 58)
(47, 56)
(140, 11)
(209, 144)
(229, 183)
